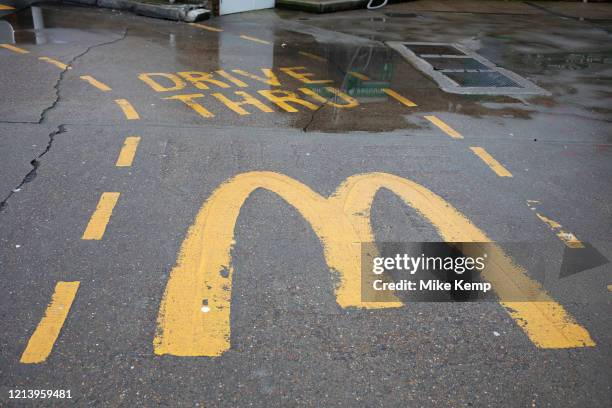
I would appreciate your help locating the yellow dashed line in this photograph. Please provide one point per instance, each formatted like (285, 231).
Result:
(399, 97)
(500, 170)
(55, 62)
(126, 156)
(94, 82)
(359, 75)
(14, 49)
(246, 37)
(41, 343)
(312, 56)
(567, 237)
(6, 7)
(444, 127)
(128, 110)
(100, 217)
(205, 27)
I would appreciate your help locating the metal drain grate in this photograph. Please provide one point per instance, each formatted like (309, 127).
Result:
(459, 70)
(481, 79)
(441, 63)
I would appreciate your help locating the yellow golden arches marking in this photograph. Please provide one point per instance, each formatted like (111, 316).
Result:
(194, 316)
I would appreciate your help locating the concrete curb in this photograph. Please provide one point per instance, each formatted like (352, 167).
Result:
(177, 12)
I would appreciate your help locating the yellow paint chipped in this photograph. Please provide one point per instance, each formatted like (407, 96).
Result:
(127, 108)
(194, 316)
(400, 98)
(42, 340)
(55, 62)
(95, 83)
(257, 40)
(568, 238)
(128, 151)
(496, 166)
(552, 224)
(444, 127)
(206, 27)
(14, 49)
(101, 216)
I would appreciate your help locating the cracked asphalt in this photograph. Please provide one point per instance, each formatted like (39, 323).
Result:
(128, 145)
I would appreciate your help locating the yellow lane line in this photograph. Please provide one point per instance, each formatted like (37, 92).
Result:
(568, 238)
(100, 217)
(6, 7)
(246, 37)
(312, 56)
(14, 49)
(359, 75)
(94, 82)
(399, 97)
(205, 27)
(127, 108)
(128, 151)
(444, 127)
(41, 343)
(55, 62)
(500, 170)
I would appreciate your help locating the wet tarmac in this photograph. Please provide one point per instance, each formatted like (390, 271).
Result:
(312, 101)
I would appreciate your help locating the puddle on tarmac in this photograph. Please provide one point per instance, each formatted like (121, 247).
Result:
(360, 69)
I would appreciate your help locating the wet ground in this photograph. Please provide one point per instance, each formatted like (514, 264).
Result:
(318, 99)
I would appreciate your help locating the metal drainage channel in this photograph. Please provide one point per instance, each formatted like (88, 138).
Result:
(459, 70)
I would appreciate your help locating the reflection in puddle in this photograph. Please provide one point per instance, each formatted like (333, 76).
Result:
(35, 25)
(572, 61)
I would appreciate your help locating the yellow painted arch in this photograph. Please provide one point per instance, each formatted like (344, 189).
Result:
(341, 222)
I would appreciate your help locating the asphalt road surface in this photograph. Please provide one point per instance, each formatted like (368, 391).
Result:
(155, 175)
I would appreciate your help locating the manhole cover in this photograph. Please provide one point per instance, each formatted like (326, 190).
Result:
(442, 63)
(459, 70)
